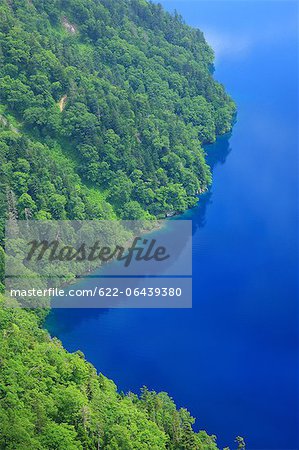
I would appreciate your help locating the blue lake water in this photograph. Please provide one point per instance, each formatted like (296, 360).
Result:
(232, 359)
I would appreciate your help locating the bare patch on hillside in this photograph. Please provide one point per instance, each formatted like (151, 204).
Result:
(68, 26)
(62, 103)
(6, 124)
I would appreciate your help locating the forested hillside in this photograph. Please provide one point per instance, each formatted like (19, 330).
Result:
(104, 108)
(112, 102)
(53, 400)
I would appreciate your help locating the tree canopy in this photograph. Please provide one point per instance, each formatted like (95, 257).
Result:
(105, 107)
(114, 88)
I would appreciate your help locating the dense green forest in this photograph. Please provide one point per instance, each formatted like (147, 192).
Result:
(112, 101)
(51, 399)
(105, 107)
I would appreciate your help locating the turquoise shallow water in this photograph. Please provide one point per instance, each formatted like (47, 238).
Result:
(232, 359)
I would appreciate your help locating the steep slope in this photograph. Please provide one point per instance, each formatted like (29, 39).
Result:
(51, 399)
(104, 107)
(124, 89)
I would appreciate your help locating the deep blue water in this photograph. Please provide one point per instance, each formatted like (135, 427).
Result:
(232, 359)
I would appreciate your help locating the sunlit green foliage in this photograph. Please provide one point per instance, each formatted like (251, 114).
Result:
(118, 87)
(104, 108)
(51, 399)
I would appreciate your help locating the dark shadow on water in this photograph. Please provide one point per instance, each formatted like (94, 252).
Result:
(63, 321)
(216, 154)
